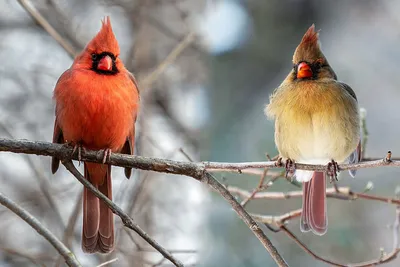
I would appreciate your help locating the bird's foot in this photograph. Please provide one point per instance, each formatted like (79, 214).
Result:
(290, 167)
(78, 147)
(107, 155)
(279, 163)
(332, 170)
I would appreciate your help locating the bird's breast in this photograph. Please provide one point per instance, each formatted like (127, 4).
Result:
(97, 110)
(317, 124)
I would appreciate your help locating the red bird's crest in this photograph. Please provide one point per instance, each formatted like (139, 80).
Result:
(105, 40)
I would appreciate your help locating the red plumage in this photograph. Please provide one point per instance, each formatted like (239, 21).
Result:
(97, 101)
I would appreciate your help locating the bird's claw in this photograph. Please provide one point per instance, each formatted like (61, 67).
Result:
(332, 170)
(78, 147)
(107, 155)
(279, 163)
(290, 167)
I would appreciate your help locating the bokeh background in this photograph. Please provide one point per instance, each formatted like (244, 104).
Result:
(209, 101)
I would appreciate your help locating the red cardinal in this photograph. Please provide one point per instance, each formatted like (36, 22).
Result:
(316, 122)
(97, 102)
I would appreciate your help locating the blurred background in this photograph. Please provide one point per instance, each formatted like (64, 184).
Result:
(209, 101)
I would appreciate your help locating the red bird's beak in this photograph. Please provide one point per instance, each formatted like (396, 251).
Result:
(304, 71)
(105, 63)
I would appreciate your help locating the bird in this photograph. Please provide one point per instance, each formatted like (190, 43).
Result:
(97, 104)
(317, 121)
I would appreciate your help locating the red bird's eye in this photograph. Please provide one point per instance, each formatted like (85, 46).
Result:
(304, 71)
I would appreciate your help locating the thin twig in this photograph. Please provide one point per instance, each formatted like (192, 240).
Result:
(208, 179)
(69, 231)
(150, 250)
(305, 248)
(259, 187)
(381, 260)
(42, 180)
(22, 255)
(277, 220)
(186, 155)
(344, 193)
(147, 81)
(47, 27)
(256, 172)
(127, 221)
(107, 262)
(35, 224)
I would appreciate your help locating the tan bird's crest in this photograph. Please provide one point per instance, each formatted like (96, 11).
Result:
(309, 48)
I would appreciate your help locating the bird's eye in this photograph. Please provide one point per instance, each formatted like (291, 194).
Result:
(94, 57)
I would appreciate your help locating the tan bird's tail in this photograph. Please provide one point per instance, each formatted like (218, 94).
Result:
(313, 215)
(98, 222)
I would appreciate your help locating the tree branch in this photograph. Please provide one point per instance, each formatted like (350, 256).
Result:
(179, 48)
(47, 27)
(35, 224)
(127, 221)
(195, 170)
(344, 193)
(192, 169)
(199, 172)
(250, 222)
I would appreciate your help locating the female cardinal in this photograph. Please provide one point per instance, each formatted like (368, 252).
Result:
(97, 102)
(316, 122)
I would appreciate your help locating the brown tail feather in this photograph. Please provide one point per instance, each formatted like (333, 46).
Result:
(106, 227)
(98, 224)
(313, 216)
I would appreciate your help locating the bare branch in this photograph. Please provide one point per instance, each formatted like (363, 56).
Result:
(343, 193)
(107, 262)
(306, 249)
(381, 260)
(35, 224)
(299, 166)
(278, 220)
(147, 81)
(148, 249)
(69, 231)
(192, 169)
(260, 187)
(42, 180)
(47, 27)
(127, 221)
(22, 255)
(250, 222)
(195, 170)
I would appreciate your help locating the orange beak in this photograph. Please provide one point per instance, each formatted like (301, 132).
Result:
(304, 71)
(105, 63)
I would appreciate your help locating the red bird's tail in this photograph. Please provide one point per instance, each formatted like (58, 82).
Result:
(98, 222)
(313, 215)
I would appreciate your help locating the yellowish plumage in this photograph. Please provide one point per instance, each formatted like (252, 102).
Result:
(315, 120)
